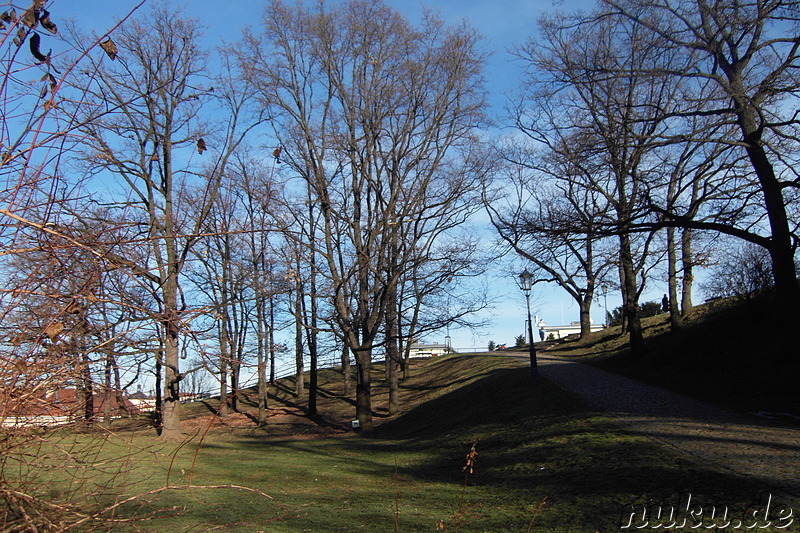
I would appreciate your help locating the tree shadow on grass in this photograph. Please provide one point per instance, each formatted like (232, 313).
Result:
(533, 441)
(541, 439)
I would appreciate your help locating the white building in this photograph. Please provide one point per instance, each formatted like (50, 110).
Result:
(559, 332)
(428, 350)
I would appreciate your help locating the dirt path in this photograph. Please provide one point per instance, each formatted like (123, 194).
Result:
(744, 444)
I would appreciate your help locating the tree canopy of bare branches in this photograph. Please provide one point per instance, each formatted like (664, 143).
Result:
(378, 119)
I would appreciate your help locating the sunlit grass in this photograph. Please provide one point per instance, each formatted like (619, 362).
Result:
(534, 443)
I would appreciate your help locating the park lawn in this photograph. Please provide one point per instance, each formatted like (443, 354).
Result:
(545, 462)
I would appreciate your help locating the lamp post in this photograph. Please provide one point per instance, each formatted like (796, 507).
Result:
(526, 283)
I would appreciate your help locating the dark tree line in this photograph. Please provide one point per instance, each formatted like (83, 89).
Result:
(650, 127)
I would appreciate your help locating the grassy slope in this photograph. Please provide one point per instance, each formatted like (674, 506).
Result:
(735, 354)
(534, 444)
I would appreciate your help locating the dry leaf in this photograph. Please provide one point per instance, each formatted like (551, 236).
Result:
(20, 38)
(53, 329)
(73, 308)
(277, 154)
(47, 24)
(52, 79)
(34, 44)
(110, 48)
(8, 16)
(92, 297)
(30, 19)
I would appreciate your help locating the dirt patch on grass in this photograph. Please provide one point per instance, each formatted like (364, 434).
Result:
(280, 422)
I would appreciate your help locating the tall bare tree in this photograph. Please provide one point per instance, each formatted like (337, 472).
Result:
(741, 59)
(147, 130)
(378, 119)
(587, 98)
(259, 204)
(552, 224)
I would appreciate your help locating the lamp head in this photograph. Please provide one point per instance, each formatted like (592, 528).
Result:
(526, 280)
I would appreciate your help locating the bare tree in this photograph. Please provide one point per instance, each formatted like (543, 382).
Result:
(152, 103)
(701, 178)
(743, 271)
(741, 60)
(587, 99)
(146, 125)
(259, 203)
(553, 226)
(378, 118)
(439, 291)
(221, 273)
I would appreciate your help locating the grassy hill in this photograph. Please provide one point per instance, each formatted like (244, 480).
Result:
(545, 462)
(733, 353)
(539, 458)
(736, 353)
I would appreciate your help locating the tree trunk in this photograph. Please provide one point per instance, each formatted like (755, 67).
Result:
(585, 313)
(224, 357)
(780, 242)
(675, 319)
(237, 356)
(346, 372)
(363, 388)
(118, 388)
(392, 330)
(271, 341)
(158, 388)
(261, 358)
(393, 378)
(107, 388)
(624, 293)
(631, 305)
(311, 334)
(299, 385)
(236, 366)
(687, 261)
(392, 359)
(312, 380)
(236, 335)
(171, 421)
(88, 389)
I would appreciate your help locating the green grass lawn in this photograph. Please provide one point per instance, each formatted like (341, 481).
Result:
(543, 456)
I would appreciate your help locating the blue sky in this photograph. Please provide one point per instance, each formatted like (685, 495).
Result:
(502, 23)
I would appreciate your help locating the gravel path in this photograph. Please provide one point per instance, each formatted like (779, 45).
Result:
(744, 444)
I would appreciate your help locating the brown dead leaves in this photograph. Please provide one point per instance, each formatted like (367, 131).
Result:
(110, 48)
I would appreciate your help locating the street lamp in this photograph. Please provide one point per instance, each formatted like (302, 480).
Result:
(526, 283)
